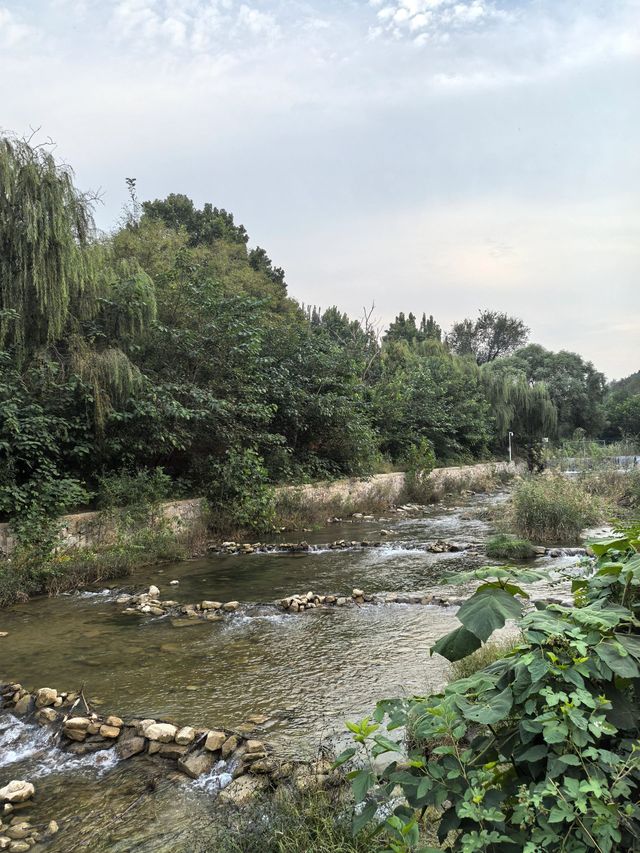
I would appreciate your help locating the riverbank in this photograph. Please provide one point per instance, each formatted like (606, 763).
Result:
(99, 546)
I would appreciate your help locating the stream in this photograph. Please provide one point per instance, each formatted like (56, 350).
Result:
(306, 673)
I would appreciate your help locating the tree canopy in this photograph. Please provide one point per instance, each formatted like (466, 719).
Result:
(172, 343)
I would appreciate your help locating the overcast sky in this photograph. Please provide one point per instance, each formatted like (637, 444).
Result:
(426, 155)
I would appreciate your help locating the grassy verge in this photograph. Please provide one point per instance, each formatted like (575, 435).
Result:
(31, 571)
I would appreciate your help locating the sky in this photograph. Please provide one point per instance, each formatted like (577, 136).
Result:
(443, 156)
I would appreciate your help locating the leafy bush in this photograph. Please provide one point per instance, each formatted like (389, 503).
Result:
(509, 548)
(137, 491)
(420, 462)
(239, 495)
(538, 751)
(553, 508)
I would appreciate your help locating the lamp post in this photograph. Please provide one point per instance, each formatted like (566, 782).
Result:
(510, 437)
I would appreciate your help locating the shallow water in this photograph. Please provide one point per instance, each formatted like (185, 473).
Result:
(306, 672)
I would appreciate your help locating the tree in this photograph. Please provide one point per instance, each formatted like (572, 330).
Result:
(575, 387)
(493, 335)
(45, 229)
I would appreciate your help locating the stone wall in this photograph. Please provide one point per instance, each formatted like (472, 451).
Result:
(87, 529)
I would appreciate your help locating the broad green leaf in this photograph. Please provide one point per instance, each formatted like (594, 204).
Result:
(488, 709)
(344, 757)
(486, 611)
(365, 816)
(617, 659)
(457, 644)
(600, 547)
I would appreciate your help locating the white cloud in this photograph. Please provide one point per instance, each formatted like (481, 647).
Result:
(436, 17)
(190, 25)
(12, 31)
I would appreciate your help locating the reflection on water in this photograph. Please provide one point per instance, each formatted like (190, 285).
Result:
(306, 673)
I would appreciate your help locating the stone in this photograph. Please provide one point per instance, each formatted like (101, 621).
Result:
(109, 731)
(215, 741)
(174, 583)
(45, 696)
(242, 790)
(18, 831)
(46, 715)
(154, 592)
(93, 728)
(262, 765)
(4, 633)
(230, 745)
(230, 606)
(254, 746)
(162, 732)
(17, 792)
(357, 593)
(258, 719)
(154, 747)
(196, 763)
(53, 827)
(114, 721)
(23, 705)
(128, 747)
(185, 736)
(4, 842)
(172, 750)
(211, 605)
(19, 847)
(79, 723)
(143, 725)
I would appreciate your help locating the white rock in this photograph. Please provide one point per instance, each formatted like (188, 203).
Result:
(174, 583)
(17, 792)
(154, 592)
(162, 732)
(185, 736)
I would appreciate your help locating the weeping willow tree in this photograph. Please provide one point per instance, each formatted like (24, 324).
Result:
(45, 227)
(60, 288)
(523, 408)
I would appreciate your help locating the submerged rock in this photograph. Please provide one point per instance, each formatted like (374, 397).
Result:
(242, 790)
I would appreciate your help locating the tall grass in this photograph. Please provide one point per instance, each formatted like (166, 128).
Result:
(30, 572)
(553, 508)
(298, 507)
(287, 823)
(504, 547)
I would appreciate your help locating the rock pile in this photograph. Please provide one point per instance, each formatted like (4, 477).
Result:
(149, 604)
(249, 762)
(437, 547)
(17, 834)
(310, 600)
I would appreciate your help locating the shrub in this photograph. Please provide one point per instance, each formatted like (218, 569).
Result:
(138, 492)
(509, 548)
(538, 751)
(553, 508)
(420, 462)
(239, 495)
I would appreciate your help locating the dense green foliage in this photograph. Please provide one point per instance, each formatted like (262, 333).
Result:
(172, 345)
(538, 750)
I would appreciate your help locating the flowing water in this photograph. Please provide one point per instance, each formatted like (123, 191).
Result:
(307, 672)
